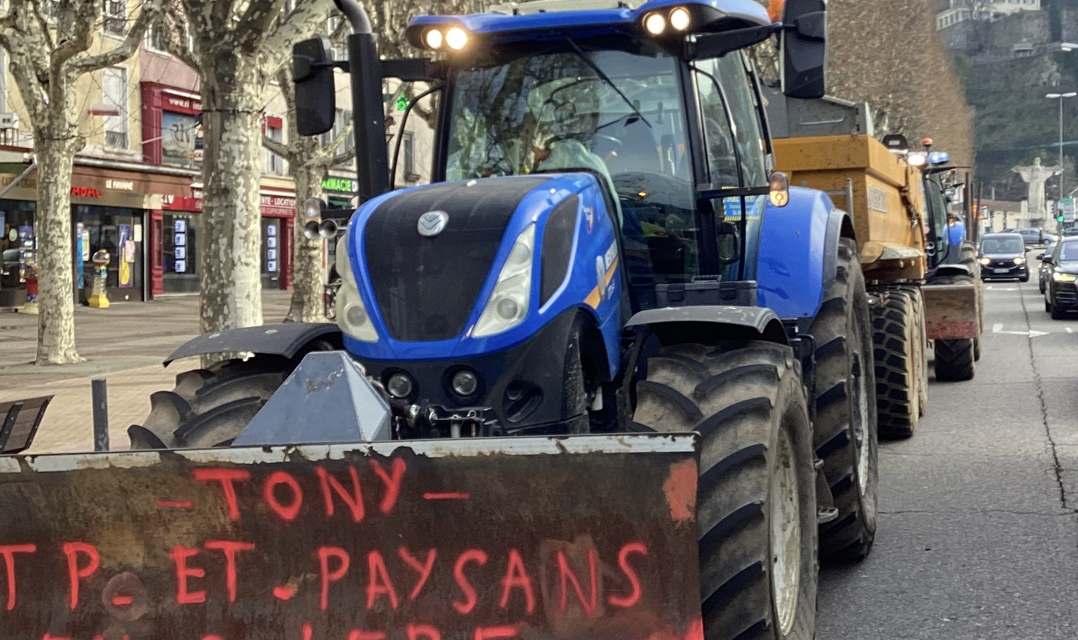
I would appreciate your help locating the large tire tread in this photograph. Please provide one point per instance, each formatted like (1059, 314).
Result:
(850, 536)
(895, 353)
(209, 407)
(738, 397)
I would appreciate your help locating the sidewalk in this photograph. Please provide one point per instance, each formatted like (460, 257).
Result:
(125, 344)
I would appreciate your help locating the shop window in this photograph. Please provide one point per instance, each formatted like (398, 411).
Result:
(118, 231)
(17, 245)
(114, 91)
(116, 17)
(180, 263)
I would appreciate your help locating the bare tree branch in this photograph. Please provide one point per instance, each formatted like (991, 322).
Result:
(150, 10)
(179, 42)
(277, 148)
(307, 19)
(255, 23)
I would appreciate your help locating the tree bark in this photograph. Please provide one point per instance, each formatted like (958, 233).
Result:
(55, 267)
(306, 303)
(230, 245)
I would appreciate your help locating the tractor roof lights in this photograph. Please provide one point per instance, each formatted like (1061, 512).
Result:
(433, 39)
(680, 19)
(655, 24)
(456, 38)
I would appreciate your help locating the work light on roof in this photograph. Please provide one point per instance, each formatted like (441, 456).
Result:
(456, 38)
(655, 23)
(680, 19)
(433, 38)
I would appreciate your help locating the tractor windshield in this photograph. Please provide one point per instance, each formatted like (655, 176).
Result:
(611, 108)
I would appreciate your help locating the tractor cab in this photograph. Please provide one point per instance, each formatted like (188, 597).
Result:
(657, 101)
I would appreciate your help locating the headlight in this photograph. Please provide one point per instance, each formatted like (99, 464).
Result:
(1064, 277)
(680, 19)
(352, 316)
(511, 297)
(456, 38)
(1019, 260)
(985, 261)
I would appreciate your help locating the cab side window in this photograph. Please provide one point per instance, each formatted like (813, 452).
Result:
(743, 128)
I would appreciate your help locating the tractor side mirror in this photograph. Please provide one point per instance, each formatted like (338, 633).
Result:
(729, 243)
(804, 49)
(312, 70)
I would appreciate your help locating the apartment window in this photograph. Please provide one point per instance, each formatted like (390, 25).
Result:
(116, 17)
(339, 50)
(408, 151)
(340, 121)
(274, 162)
(114, 92)
(156, 37)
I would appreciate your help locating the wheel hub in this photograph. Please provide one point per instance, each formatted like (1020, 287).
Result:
(785, 536)
(859, 419)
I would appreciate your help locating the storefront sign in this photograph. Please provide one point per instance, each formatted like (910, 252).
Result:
(340, 185)
(85, 192)
(278, 206)
(120, 185)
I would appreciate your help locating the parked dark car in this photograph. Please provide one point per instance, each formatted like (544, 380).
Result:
(1061, 294)
(1003, 257)
(1032, 237)
(1045, 272)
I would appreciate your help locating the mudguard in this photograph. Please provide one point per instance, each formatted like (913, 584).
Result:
(797, 251)
(284, 339)
(740, 322)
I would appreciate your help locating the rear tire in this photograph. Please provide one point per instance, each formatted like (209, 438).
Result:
(954, 360)
(894, 336)
(210, 407)
(748, 404)
(845, 436)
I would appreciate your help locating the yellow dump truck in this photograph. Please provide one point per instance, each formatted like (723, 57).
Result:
(925, 289)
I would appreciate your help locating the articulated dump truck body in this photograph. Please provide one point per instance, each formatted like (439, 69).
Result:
(581, 536)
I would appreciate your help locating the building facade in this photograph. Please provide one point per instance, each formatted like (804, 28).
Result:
(136, 186)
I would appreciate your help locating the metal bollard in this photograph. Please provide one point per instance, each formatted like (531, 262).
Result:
(101, 414)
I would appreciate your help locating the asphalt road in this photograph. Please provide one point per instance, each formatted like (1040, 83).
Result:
(978, 536)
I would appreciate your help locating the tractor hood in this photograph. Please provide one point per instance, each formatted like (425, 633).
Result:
(428, 261)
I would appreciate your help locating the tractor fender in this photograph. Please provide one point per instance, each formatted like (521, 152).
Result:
(796, 260)
(285, 339)
(681, 324)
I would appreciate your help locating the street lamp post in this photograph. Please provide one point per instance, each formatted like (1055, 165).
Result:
(1061, 97)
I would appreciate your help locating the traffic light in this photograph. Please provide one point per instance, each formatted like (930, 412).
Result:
(1059, 217)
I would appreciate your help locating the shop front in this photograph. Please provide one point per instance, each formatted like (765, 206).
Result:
(175, 257)
(110, 208)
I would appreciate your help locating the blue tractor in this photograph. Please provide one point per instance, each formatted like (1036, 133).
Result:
(604, 249)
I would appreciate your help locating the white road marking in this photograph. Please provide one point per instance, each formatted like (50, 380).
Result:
(1032, 333)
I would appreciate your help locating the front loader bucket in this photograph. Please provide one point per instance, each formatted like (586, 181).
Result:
(951, 311)
(571, 537)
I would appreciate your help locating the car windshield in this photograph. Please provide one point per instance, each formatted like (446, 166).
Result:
(1003, 244)
(1069, 251)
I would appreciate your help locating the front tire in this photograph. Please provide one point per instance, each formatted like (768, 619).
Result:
(746, 399)
(210, 407)
(845, 435)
